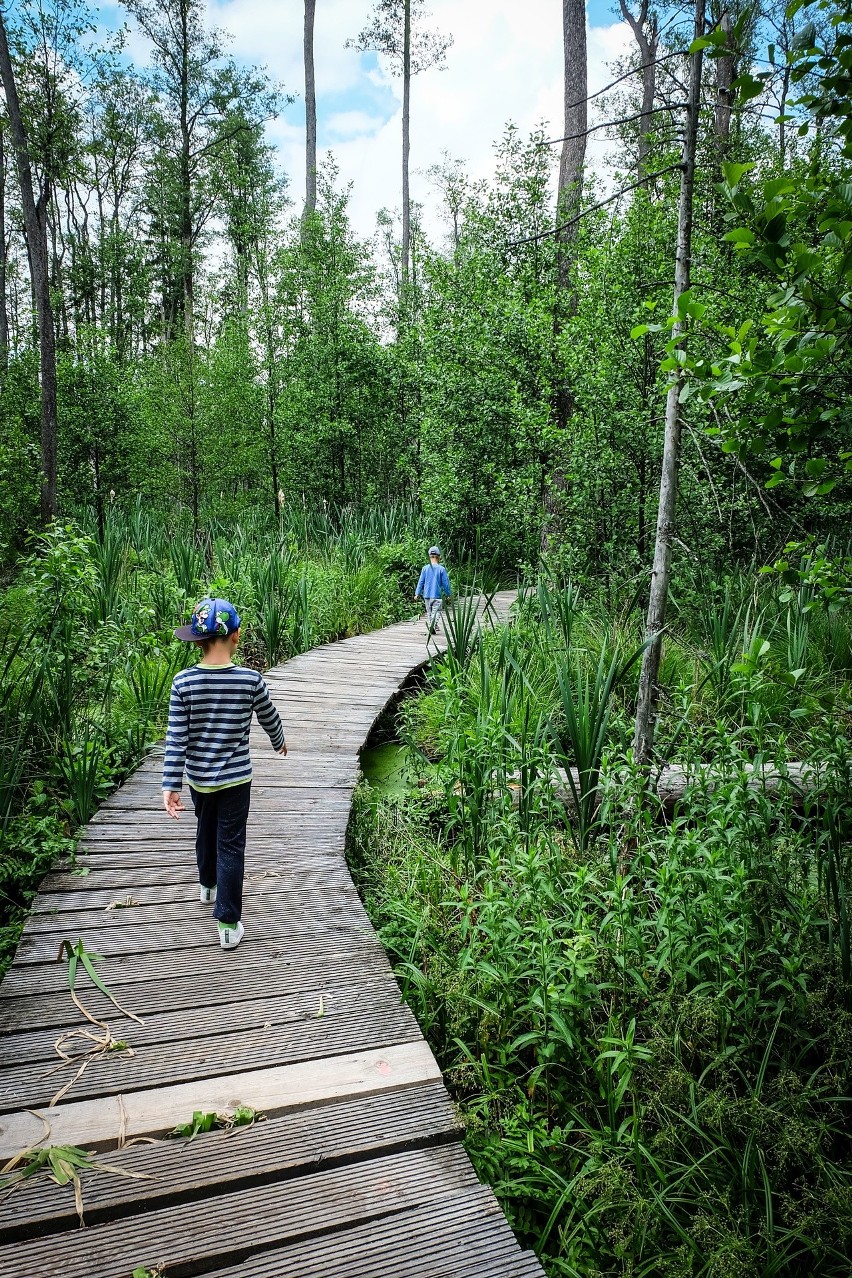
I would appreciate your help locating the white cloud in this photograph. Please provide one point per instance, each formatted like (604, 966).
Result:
(505, 64)
(349, 124)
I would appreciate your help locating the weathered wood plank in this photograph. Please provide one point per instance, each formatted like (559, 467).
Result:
(156, 1111)
(330, 1001)
(272, 928)
(190, 1235)
(188, 990)
(27, 979)
(183, 1171)
(270, 1046)
(464, 1237)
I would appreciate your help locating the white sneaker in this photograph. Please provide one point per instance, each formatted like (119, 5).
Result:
(230, 935)
(207, 895)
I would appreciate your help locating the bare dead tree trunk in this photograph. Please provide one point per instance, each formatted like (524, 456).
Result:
(310, 112)
(643, 739)
(646, 35)
(569, 193)
(724, 80)
(573, 155)
(35, 230)
(406, 140)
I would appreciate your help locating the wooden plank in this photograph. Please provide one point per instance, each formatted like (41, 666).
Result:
(464, 1237)
(264, 898)
(155, 1111)
(27, 979)
(189, 989)
(234, 1225)
(196, 932)
(293, 879)
(182, 1171)
(329, 1001)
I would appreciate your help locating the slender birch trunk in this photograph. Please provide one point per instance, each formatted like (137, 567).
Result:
(643, 739)
(645, 31)
(569, 194)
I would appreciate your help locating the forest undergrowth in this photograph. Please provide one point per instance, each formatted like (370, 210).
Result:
(87, 654)
(645, 1015)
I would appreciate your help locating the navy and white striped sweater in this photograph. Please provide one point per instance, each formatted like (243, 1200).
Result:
(210, 713)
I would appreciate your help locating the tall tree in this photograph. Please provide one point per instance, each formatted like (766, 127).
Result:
(575, 95)
(395, 29)
(35, 230)
(310, 110)
(643, 738)
(569, 193)
(198, 88)
(646, 34)
(725, 73)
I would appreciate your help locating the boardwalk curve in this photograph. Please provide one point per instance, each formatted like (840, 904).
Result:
(358, 1171)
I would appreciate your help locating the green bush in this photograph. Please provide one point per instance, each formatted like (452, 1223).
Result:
(648, 1030)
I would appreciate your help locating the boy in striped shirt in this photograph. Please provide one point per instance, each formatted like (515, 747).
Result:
(210, 715)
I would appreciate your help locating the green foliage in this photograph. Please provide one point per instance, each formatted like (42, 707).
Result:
(242, 1116)
(647, 1027)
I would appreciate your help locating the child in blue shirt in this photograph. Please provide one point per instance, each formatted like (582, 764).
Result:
(434, 587)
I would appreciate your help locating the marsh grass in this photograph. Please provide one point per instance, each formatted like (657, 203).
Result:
(645, 1019)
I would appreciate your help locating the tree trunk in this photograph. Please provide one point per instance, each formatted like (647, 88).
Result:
(644, 28)
(35, 229)
(4, 314)
(310, 112)
(576, 122)
(724, 80)
(643, 739)
(406, 140)
(571, 162)
(186, 221)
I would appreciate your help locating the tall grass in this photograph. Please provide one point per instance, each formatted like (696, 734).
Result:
(644, 1016)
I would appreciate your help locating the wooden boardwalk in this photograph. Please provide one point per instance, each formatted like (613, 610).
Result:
(358, 1170)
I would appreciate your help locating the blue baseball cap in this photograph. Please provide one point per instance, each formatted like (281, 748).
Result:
(434, 550)
(211, 619)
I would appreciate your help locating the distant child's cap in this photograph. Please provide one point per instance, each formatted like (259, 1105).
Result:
(211, 619)
(435, 550)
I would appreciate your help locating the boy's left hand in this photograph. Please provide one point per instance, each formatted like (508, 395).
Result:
(173, 803)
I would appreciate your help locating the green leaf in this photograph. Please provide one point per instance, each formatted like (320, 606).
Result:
(734, 173)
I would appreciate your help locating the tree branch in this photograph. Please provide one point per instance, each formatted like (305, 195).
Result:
(649, 177)
(606, 124)
(633, 71)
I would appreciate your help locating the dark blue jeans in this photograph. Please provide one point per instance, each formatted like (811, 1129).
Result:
(220, 846)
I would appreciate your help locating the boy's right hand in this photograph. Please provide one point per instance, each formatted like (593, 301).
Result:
(283, 749)
(173, 803)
